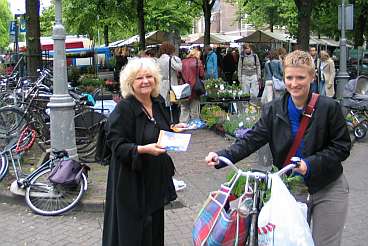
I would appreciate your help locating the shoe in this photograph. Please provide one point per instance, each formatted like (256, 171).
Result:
(179, 184)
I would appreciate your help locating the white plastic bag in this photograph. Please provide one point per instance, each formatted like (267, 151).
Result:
(281, 221)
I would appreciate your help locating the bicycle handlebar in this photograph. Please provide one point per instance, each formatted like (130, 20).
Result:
(295, 163)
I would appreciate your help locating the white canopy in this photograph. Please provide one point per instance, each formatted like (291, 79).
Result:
(155, 37)
(215, 38)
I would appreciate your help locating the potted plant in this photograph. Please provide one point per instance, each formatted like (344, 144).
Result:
(89, 82)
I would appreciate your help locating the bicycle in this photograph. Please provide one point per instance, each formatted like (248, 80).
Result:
(256, 177)
(42, 196)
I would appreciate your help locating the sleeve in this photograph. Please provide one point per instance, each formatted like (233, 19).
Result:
(258, 66)
(332, 77)
(239, 68)
(201, 69)
(267, 71)
(338, 148)
(121, 138)
(254, 139)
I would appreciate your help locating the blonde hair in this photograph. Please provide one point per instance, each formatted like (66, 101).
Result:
(194, 53)
(134, 66)
(324, 55)
(299, 58)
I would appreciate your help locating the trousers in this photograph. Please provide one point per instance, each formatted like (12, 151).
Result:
(329, 208)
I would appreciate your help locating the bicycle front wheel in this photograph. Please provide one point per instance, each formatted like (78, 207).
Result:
(49, 199)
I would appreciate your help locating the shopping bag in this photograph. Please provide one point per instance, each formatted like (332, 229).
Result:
(181, 91)
(278, 84)
(281, 221)
(216, 226)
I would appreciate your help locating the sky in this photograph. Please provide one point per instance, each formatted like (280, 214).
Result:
(17, 6)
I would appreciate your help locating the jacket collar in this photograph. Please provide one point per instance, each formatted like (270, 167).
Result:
(284, 105)
(137, 106)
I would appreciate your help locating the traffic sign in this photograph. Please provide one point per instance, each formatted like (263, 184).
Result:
(12, 27)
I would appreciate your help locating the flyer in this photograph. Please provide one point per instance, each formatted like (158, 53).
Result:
(173, 141)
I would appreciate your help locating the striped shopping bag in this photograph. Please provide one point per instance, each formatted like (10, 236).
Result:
(215, 226)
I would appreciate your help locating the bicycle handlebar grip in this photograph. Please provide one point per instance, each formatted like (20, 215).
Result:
(296, 161)
(227, 162)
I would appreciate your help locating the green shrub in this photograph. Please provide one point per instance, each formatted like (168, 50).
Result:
(212, 114)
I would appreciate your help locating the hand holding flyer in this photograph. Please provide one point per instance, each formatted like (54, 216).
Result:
(172, 141)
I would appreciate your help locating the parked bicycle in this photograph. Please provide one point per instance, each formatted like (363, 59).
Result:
(42, 196)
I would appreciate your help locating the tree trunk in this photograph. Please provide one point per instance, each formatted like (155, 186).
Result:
(207, 7)
(34, 60)
(106, 35)
(140, 14)
(360, 26)
(304, 19)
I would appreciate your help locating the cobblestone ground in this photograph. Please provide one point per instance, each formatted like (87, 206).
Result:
(18, 226)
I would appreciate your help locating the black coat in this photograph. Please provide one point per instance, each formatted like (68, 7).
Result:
(326, 140)
(128, 203)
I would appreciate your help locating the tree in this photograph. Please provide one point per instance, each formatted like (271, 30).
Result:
(33, 37)
(206, 6)
(141, 29)
(5, 17)
(47, 20)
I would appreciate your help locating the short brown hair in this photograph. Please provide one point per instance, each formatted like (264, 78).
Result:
(299, 58)
(167, 48)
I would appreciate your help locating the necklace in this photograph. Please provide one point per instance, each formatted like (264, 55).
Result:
(151, 118)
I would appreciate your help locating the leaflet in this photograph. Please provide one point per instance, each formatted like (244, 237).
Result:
(173, 141)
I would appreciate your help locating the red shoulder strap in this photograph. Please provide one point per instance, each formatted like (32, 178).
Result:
(307, 115)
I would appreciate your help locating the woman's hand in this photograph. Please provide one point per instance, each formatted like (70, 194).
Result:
(151, 149)
(302, 169)
(179, 127)
(212, 159)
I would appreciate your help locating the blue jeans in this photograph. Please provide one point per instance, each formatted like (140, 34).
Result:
(314, 86)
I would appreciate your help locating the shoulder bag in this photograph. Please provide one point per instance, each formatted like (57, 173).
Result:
(198, 88)
(67, 172)
(178, 92)
(278, 84)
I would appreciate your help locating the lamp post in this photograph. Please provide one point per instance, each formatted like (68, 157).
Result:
(61, 104)
(342, 76)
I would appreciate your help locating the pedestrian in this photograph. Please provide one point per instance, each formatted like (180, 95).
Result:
(121, 59)
(273, 68)
(140, 174)
(249, 71)
(211, 68)
(169, 76)
(229, 66)
(325, 145)
(313, 52)
(327, 80)
(220, 62)
(192, 70)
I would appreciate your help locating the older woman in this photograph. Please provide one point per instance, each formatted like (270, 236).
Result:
(327, 80)
(192, 69)
(325, 145)
(140, 173)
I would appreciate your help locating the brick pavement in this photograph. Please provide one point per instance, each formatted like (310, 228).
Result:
(21, 227)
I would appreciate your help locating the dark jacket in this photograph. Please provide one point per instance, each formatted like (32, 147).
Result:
(326, 140)
(128, 192)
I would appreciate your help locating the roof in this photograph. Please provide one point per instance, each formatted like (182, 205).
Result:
(261, 36)
(155, 37)
(215, 38)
